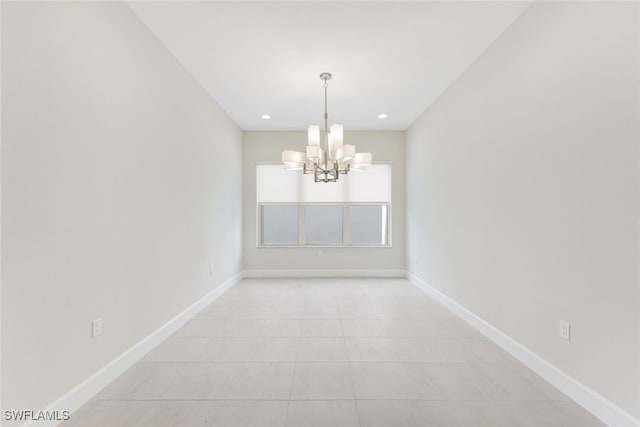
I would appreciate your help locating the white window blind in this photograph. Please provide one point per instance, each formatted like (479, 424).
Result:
(274, 184)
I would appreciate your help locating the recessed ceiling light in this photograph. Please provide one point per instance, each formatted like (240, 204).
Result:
(382, 116)
(266, 116)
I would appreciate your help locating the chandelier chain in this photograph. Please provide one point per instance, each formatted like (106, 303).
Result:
(326, 124)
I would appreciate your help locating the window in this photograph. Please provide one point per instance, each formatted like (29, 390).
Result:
(279, 224)
(323, 224)
(368, 224)
(295, 211)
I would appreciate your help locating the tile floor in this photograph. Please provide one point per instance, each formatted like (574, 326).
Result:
(329, 353)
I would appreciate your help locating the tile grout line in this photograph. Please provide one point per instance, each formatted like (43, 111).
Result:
(295, 364)
(346, 353)
(416, 399)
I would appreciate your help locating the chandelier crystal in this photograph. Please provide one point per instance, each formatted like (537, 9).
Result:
(326, 156)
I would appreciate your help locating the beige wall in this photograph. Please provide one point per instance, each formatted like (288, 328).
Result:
(121, 185)
(268, 146)
(523, 190)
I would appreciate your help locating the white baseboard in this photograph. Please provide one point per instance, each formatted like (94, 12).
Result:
(599, 406)
(593, 402)
(324, 273)
(80, 394)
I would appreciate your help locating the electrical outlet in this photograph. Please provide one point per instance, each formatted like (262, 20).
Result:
(96, 327)
(565, 330)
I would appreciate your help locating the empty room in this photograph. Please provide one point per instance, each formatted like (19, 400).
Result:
(320, 213)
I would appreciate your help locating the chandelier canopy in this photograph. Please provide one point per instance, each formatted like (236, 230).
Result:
(328, 160)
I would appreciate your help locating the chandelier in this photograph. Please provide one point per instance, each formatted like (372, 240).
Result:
(327, 161)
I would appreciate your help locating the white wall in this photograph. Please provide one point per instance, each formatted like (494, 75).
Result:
(522, 190)
(121, 185)
(268, 146)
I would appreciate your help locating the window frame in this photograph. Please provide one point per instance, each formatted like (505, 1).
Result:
(346, 243)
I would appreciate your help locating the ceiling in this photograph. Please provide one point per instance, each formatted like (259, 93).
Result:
(258, 58)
